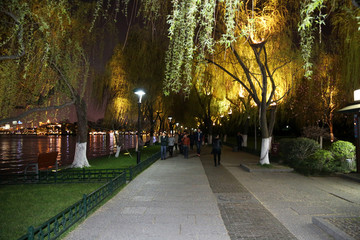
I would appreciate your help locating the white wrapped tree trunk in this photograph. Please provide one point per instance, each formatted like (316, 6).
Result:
(118, 148)
(265, 147)
(245, 140)
(210, 139)
(80, 159)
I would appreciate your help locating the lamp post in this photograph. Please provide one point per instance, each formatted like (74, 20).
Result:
(139, 93)
(170, 125)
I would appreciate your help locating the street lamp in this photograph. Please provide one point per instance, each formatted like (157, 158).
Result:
(139, 92)
(171, 130)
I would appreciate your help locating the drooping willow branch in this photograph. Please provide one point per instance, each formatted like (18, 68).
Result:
(20, 31)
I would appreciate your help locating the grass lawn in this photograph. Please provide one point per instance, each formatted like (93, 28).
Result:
(25, 205)
(33, 204)
(124, 160)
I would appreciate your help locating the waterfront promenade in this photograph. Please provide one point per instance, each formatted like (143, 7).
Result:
(191, 199)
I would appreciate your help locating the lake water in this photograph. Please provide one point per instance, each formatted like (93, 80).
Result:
(16, 151)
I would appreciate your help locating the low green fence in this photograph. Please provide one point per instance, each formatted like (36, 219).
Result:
(57, 225)
(77, 175)
(60, 223)
(63, 176)
(132, 172)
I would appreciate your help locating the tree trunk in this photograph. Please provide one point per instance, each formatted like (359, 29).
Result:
(245, 139)
(265, 147)
(80, 159)
(331, 126)
(118, 149)
(245, 132)
(321, 142)
(152, 124)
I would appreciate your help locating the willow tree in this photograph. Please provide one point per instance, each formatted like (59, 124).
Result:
(42, 53)
(228, 24)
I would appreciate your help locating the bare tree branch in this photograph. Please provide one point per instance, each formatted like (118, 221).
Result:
(40, 109)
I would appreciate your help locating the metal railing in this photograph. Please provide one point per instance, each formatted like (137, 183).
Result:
(63, 176)
(60, 223)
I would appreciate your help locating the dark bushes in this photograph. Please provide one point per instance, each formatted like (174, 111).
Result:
(305, 156)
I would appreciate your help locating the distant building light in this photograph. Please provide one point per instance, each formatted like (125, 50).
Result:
(7, 126)
(19, 122)
(14, 122)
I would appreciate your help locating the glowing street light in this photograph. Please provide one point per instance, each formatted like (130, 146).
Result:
(171, 125)
(139, 92)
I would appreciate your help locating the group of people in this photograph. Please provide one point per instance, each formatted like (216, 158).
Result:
(185, 141)
(182, 142)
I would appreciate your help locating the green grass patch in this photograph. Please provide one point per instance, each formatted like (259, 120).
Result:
(124, 160)
(265, 165)
(25, 205)
(33, 204)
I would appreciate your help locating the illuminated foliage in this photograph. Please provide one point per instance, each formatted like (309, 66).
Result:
(311, 14)
(118, 89)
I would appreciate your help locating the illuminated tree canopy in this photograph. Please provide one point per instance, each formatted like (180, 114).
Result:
(239, 54)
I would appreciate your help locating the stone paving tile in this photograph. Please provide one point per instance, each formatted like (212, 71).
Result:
(244, 216)
(350, 225)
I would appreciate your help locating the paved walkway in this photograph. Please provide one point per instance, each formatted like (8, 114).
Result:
(191, 199)
(170, 200)
(295, 199)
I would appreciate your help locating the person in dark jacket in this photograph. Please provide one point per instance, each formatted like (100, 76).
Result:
(164, 143)
(192, 139)
(216, 150)
(239, 140)
(186, 145)
(198, 137)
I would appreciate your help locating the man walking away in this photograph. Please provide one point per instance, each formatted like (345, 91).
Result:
(239, 140)
(216, 150)
(198, 141)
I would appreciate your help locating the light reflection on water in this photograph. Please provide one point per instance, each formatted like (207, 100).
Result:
(16, 151)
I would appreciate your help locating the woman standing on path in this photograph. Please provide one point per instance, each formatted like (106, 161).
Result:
(171, 142)
(164, 143)
(216, 150)
(186, 145)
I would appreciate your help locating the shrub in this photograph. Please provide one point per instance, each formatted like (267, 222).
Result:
(344, 154)
(296, 151)
(343, 150)
(322, 161)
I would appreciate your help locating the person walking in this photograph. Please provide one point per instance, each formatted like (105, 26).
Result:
(180, 143)
(192, 140)
(198, 140)
(186, 145)
(171, 142)
(216, 149)
(176, 141)
(239, 140)
(164, 143)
